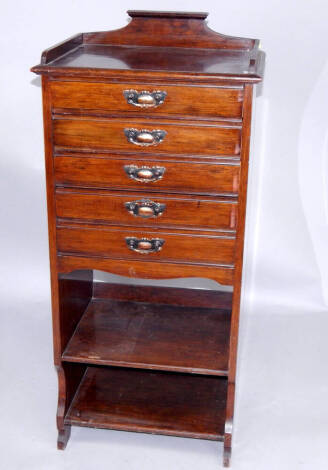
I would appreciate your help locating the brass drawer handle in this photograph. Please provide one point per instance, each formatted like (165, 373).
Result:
(144, 174)
(145, 99)
(144, 137)
(145, 208)
(144, 245)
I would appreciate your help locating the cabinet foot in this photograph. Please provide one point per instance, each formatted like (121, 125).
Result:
(63, 436)
(227, 442)
(226, 456)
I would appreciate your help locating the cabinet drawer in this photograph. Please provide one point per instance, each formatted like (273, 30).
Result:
(147, 137)
(135, 243)
(211, 102)
(146, 209)
(199, 178)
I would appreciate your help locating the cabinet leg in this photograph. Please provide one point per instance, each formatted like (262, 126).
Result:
(63, 436)
(226, 456)
(69, 377)
(227, 443)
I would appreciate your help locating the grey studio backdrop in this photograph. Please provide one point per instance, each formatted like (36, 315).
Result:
(281, 416)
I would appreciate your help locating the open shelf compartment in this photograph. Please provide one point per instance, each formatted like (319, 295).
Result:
(183, 331)
(154, 402)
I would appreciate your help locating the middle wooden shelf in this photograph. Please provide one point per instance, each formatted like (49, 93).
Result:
(158, 336)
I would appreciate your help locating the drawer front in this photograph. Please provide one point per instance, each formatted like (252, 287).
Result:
(146, 137)
(146, 209)
(134, 243)
(148, 99)
(123, 173)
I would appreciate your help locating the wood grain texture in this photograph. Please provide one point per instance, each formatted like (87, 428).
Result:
(61, 48)
(180, 139)
(68, 299)
(174, 30)
(205, 130)
(154, 402)
(69, 378)
(166, 46)
(152, 336)
(210, 65)
(183, 297)
(51, 218)
(110, 242)
(180, 211)
(210, 102)
(238, 275)
(74, 296)
(179, 177)
(146, 269)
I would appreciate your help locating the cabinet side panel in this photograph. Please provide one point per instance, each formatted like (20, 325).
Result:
(51, 217)
(67, 309)
(247, 113)
(245, 142)
(69, 296)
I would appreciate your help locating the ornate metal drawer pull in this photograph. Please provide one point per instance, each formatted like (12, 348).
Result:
(145, 99)
(145, 245)
(144, 174)
(145, 208)
(144, 137)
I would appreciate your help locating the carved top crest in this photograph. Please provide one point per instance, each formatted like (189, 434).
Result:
(168, 29)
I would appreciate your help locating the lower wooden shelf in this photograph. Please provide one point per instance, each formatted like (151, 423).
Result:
(152, 402)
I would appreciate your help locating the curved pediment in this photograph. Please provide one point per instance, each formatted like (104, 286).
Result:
(169, 29)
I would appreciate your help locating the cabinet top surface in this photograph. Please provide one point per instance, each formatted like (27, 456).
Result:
(156, 58)
(156, 43)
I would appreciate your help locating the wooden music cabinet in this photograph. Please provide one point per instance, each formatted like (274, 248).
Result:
(147, 132)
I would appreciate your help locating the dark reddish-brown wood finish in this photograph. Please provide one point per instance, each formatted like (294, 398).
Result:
(153, 402)
(238, 275)
(146, 269)
(183, 297)
(179, 246)
(181, 138)
(191, 88)
(181, 101)
(180, 211)
(148, 336)
(102, 171)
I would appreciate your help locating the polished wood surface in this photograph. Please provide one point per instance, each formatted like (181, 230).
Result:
(184, 29)
(180, 138)
(180, 296)
(238, 275)
(154, 402)
(160, 59)
(152, 336)
(75, 294)
(183, 48)
(147, 146)
(110, 241)
(207, 102)
(147, 269)
(181, 44)
(103, 171)
(180, 211)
